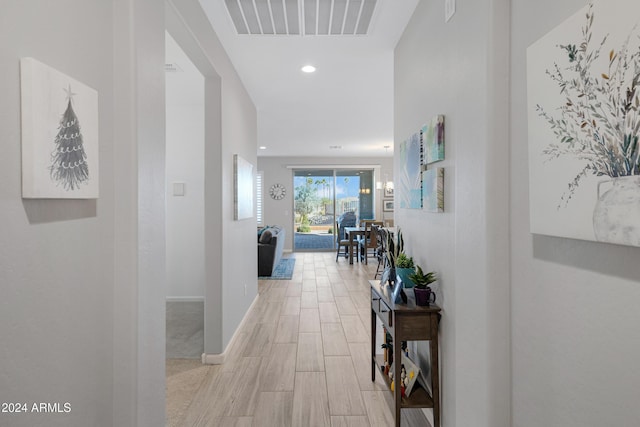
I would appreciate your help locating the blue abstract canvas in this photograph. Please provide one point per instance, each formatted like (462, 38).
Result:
(433, 189)
(433, 140)
(410, 185)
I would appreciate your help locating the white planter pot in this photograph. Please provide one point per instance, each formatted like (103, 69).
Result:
(616, 217)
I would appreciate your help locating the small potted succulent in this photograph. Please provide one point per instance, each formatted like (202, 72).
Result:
(405, 267)
(421, 289)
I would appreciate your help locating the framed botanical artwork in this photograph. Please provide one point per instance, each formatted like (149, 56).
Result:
(583, 81)
(59, 134)
(387, 205)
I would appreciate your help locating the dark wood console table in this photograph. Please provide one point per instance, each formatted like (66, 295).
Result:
(406, 322)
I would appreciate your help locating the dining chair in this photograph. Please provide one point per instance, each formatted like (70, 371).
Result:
(381, 251)
(342, 241)
(369, 242)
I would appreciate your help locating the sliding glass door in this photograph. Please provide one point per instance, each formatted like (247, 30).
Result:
(321, 196)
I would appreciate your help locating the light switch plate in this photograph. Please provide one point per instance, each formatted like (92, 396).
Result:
(449, 9)
(178, 188)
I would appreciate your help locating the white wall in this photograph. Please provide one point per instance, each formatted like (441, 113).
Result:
(453, 69)
(575, 338)
(280, 212)
(83, 322)
(230, 128)
(57, 256)
(185, 164)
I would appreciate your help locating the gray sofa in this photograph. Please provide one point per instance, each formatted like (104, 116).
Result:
(270, 247)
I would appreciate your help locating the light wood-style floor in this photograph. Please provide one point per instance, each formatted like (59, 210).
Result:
(300, 359)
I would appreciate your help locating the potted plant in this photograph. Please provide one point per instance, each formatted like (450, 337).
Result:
(421, 289)
(404, 268)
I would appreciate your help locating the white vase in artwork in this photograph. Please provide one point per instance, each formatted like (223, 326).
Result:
(616, 217)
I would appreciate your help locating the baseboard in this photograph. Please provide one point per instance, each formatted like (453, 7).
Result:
(185, 299)
(218, 359)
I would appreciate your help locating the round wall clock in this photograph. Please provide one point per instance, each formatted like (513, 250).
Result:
(277, 192)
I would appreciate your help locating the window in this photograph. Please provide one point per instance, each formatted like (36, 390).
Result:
(259, 192)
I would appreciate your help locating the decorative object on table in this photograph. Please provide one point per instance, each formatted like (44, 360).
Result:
(584, 125)
(403, 380)
(412, 374)
(397, 295)
(433, 190)
(404, 268)
(387, 346)
(432, 135)
(422, 291)
(59, 134)
(243, 188)
(393, 249)
(410, 186)
(409, 374)
(277, 191)
(403, 347)
(387, 205)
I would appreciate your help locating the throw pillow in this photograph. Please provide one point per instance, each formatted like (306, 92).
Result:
(265, 237)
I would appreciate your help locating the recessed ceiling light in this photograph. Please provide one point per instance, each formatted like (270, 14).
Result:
(262, 147)
(308, 69)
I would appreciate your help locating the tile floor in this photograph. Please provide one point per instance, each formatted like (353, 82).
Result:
(301, 358)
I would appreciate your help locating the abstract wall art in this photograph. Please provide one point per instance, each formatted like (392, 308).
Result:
(433, 140)
(410, 185)
(59, 134)
(584, 125)
(433, 190)
(243, 188)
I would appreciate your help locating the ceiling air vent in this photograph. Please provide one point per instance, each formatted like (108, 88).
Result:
(296, 17)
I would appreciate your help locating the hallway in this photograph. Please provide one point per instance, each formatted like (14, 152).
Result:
(301, 358)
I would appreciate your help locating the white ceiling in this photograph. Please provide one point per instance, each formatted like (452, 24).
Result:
(347, 102)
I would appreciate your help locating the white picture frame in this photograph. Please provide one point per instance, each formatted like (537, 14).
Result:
(580, 160)
(60, 157)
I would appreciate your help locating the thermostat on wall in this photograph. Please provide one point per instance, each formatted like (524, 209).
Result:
(178, 188)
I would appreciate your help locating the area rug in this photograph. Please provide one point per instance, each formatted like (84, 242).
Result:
(283, 271)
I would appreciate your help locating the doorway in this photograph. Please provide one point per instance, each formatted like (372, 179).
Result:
(185, 217)
(321, 196)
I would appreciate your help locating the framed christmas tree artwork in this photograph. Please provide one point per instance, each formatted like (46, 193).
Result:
(59, 134)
